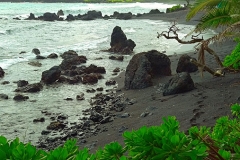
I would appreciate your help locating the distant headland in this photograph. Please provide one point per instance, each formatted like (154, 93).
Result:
(96, 1)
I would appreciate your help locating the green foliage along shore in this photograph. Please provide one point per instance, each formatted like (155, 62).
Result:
(232, 61)
(147, 143)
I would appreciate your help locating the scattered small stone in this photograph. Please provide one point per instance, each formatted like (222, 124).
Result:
(62, 117)
(106, 120)
(117, 69)
(80, 97)
(118, 58)
(150, 108)
(56, 125)
(22, 52)
(1, 72)
(36, 64)
(100, 89)
(22, 83)
(83, 141)
(90, 90)
(36, 51)
(144, 114)
(110, 82)
(124, 115)
(122, 129)
(5, 82)
(39, 120)
(3, 96)
(52, 55)
(68, 99)
(132, 101)
(35, 87)
(44, 132)
(40, 57)
(20, 97)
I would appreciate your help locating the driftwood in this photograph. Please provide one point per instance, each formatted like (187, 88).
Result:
(201, 47)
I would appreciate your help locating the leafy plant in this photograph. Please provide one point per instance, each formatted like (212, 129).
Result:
(233, 60)
(175, 8)
(222, 142)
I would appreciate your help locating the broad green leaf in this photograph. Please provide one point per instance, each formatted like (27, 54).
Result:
(2, 155)
(175, 139)
(3, 140)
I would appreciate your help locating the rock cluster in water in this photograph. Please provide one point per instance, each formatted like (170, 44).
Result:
(90, 15)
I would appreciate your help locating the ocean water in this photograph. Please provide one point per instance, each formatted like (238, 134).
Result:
(87, 38)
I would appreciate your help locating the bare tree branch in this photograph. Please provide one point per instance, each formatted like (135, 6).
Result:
(201, 47)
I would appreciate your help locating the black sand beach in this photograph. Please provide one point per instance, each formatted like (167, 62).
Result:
(210, 100)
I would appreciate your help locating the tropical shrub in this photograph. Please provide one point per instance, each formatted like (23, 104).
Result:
(147, 143)
(233, 60)
(175, 8)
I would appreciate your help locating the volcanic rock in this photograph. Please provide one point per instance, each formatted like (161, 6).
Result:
(145, 66)
(181, 82)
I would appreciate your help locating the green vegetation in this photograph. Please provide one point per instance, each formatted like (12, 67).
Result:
(232, 61)
(222, 142)
(175, 8)
(216, 14)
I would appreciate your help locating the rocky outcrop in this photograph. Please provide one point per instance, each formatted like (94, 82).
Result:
(180, 83)
(20, 97)
(71, 58)
(94, 69)
(70, 80)
(52, 56)
(119, 42)
(145, 66)
(60, 13)
(95, 14)
(35, 63)
(36, 51)
(31, 17)
(49, 17)
(40, 57)
(3, 96)
(124, 16)
(35, 87)
(184, 64)
(118, 58)
(56, 125)
(69, 54)
(22, 83)
(70, 17)
(155, 11)
(1, 72)
(51, 75)
(89, 79)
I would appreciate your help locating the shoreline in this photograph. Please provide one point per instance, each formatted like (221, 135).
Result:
(201, 106)
(210, 100)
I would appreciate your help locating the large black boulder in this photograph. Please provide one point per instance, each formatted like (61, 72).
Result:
(180, 83)
(51, 75)
(185, 65)
(1, 72)
(143, 67)
(95, 14)
(120, 43)
(35, 87)
(50, 16)
(124, 16)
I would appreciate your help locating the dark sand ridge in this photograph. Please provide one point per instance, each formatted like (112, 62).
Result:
(211, 99)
